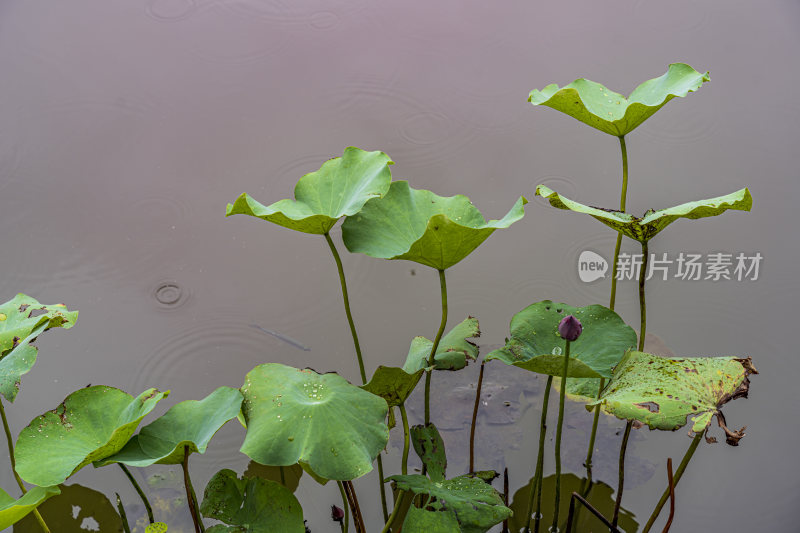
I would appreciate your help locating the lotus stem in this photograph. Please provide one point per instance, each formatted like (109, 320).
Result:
(358, 520)
(642, 304)
(622, 449)
(505, 497)
(671, 496)
(395, 510)
(537, 476)
(598, 514)
(121, 508)
(561, 397)
(678, 474)
(139, 491)
(593, 435)
(406, 440)
(13, 461)
(347, 307)
(191, 497)
(474, 418)
(346, 507)
(622, 202)
(381, 488)
(431, 358)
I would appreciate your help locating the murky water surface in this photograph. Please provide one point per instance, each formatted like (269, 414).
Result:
(125, 128)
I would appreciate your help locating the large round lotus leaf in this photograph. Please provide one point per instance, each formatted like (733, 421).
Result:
(393, 384)
(320, 419)
(251, 505)
(476, 504)
(191, 423)
(89, 425)
(453, 352)
(668, 393)
(421, 226)
(22, 319)
(593, 104)
(645, 228)
(422, 521)
(535, 344)
(12, 511)
(339, 188)
(72, 510)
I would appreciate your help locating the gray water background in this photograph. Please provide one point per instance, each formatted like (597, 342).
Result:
(125, 128)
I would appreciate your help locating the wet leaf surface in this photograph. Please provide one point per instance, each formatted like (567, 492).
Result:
(421, 226)
(339, 188)
(454, 350)
(422, 521)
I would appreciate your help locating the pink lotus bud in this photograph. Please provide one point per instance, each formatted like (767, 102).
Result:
(570, 328)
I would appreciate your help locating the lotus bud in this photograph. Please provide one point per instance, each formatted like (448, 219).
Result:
(570, 328)
(337, 514)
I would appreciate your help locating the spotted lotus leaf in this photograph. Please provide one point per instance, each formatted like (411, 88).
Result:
(612, 113)
(339, 188)
(644, 228)
(669, 393)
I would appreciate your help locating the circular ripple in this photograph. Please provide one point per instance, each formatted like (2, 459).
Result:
(288, 13)
(170, 10)
(169, 294)
(324, 20)
(687, 126)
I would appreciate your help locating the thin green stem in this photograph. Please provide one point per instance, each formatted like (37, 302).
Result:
(382, 487)
(593, 436)
(283, 476)
(191, 497)
(443, 287)
(13, 461)
(139, 491)
(642, 304)
(121, 508)
(406, 440)
(346, 507)
(622, 449)
(347, 306)
(537, 476)
(676, 478)
(622, 203)
(561, 397)
(397, 503)
(474, 418)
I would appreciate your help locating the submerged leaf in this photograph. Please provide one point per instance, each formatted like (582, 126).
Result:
(22, 319)
(393, 384)
(536, 345)
(12, 511)
(612, 113)
(251, 505)
(89, 425)
(191, 423)
(430, 449)
(668, 393)
(453, 352)
(421, 226)
(644, 228)
(339, 188)
(476, 504)
(299, 415)
(76, 506)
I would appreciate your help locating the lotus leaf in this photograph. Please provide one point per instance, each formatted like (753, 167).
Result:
(156, 527)
(339, 188)
(191, 423)
(22, 319)
(12, 511)
(89, 425)
(76, 506)
(252, 505)
(430, 448)
(421, 226)
(668, 393)
(299, 415)
(422, 521)
(291, 474)
(645, 228)
(593, 104)
(393, 384)
(535, 344)
(476, 504)
(453, 352)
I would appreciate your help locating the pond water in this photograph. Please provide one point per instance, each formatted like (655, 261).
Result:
(126, 127)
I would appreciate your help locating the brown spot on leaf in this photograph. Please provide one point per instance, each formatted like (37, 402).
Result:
(650, 406)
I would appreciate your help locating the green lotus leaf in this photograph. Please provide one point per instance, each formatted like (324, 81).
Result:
(89, 425)
(453, 352)
(191, 423)
(476, 504)
(593, 104)
(668, 393)
(421, 226)
(422, 521)
(288, 476)
(299, 415)
(645, 228)
(430, 448)
(393, 384)
(22, 319)
(339, 188)
(156, 527)
(12, 511)
(252, 505)
(535, 344)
